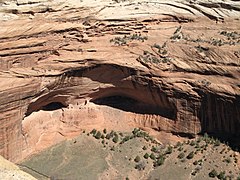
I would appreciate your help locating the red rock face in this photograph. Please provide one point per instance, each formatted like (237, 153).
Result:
(61, 73)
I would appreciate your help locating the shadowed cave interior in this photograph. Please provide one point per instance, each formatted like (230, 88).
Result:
(132, 105)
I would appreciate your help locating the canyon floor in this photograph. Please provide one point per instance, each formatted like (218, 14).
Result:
(107, 154)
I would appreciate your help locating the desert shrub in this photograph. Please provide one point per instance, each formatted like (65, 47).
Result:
(180, 148)
(181, 155)
(217, 142)
(159, 161)
(115, 139)
(146, 156)
(137, 159)
(213, 173)
(195, 162)
(102, 136)
(125, 139)
(194, 173)
(104, 131)
(190, 155)
(178, 144)
(140, 166)
(108, 136)
(221, 175)
(227, 160)
(152, 156)
(154, 149)
(169, 150)
(135, 131)
(192, 143)
(112, 148)
(93, 132)
(144, 148)
(111, 134)
(127, 178)
(98, 135)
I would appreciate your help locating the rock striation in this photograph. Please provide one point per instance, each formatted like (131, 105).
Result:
(171, 66)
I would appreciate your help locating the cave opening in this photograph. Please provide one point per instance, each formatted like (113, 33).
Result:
(48, 107)
(53, 106)
(132, 105)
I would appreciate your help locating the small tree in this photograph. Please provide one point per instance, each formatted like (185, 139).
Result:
(115, 139)
(169, 150)
(98, 135)
(104, 131)
(137, 159)
(160, 161)
(190, 155)
(108, 136)
(213, 173)
(221, 175)
(181, 155)
(146, 156)
(140, 166)
(152, 156)
(93, 132)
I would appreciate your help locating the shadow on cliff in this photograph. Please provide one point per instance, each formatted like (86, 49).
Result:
(131, 105)
(220, 118)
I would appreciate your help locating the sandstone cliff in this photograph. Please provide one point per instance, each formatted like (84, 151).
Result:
(66, 66)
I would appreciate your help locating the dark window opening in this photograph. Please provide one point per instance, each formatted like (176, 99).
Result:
(132, 105)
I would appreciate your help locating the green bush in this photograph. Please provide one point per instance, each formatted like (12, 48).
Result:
(93, 132)
(221, 175)
(159, 161)
(169, 150)
(98, 135)
(217, 142)
(137, 159)
(104, 131)
(213, 173)
(115, 139)
(108, 136)
(152, 156)
(146, 156)
(154, 149)
(180, 148)
(227, 160)
(144, 148)
(195, 163)
(190, 155)
(192, 143)
(181, 155)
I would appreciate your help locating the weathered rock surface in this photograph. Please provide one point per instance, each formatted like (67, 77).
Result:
(167, 65)
(9, 171)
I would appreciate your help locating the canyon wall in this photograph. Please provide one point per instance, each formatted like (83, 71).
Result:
(70, 66)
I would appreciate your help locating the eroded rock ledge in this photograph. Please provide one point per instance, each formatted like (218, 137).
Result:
(68, 69)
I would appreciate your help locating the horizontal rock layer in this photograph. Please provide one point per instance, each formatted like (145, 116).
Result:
(73, 65)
